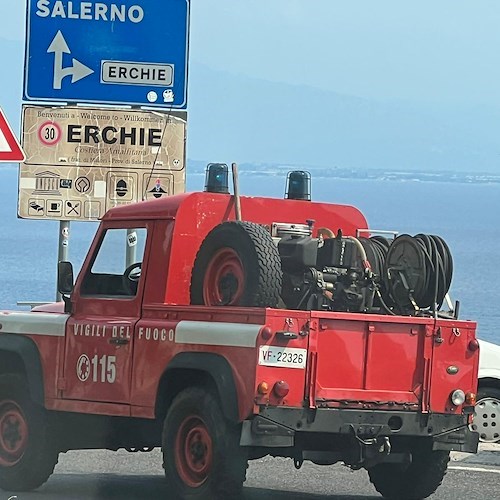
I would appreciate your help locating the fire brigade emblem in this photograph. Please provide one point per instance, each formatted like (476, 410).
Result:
(83, 368)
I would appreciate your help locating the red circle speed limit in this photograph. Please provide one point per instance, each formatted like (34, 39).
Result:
(49, 133)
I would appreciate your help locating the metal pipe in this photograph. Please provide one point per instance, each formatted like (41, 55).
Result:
(366, 264)
(237, 204)
(62, 254)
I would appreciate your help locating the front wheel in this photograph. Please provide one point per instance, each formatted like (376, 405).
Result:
(27, 457)
(415, 481)
(201, 453)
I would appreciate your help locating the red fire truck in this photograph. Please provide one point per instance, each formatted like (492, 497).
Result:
(225, 329)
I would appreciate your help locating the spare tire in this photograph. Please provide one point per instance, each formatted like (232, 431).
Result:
(238, 264)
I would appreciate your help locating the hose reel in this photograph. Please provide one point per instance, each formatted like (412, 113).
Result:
(418, 272)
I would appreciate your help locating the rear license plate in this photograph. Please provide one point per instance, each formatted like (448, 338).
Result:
(286, 357)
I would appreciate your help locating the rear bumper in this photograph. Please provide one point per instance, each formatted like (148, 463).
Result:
(278, 427)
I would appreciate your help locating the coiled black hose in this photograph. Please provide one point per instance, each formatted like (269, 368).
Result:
(376, 249)
(418, 272)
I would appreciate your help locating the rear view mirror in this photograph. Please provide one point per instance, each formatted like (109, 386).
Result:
(65, 277)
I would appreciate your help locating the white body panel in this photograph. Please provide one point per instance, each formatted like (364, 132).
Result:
(489, 360)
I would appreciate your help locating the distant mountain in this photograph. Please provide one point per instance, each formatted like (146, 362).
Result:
(236, 118)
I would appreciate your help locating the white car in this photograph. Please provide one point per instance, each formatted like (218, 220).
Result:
(487, 415)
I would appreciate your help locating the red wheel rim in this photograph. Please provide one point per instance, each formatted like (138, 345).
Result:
(193, 452)
(13, 433)
(224, 279)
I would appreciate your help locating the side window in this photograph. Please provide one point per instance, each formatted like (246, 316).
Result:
(116, 269)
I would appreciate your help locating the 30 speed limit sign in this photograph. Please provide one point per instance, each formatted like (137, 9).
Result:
(49, 133)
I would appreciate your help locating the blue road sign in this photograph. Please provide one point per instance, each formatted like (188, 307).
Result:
(132, 52)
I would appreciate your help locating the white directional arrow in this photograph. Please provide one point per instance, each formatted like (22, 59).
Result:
(77, 71)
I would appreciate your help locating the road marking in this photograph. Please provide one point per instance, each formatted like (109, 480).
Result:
(474, 469)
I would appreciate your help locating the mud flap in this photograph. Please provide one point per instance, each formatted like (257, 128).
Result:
(461, 440)
(263, 432)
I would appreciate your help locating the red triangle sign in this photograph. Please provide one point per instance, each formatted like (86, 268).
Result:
(10, 150)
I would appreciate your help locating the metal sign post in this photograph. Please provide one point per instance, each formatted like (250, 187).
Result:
(63, 247)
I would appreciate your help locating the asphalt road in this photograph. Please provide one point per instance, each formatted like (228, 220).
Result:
(96, 475)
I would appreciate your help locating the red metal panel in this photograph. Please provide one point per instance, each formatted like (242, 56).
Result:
(395, 357)
(152, 356)
(291, 322)
(341, 353)
(369, 358)
(118, 410)
(51, 351)
(159, 261)
(451, 342)
(142, 412)
(95, 368)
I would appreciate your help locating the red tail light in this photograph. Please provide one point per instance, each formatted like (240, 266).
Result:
(473, 345)
(266, 333)
(470, 398)
(281, 389)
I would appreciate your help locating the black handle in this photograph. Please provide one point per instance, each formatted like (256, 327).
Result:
(119, 341)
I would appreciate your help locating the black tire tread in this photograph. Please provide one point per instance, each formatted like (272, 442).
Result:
(230, 460)
(269, 276)
(486, 391)
(415, 482)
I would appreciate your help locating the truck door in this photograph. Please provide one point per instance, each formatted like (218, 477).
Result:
(106, 307)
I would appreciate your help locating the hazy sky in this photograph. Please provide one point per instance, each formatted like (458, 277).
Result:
(389, 49)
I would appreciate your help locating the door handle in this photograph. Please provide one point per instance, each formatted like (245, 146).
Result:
(119, 341)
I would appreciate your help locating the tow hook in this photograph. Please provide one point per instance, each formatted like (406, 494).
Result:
(297, 462)
(371, 451)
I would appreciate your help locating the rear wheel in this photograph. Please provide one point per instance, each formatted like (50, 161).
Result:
(238, 264)
(415, 481)
(27, 457)
(201, 453)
